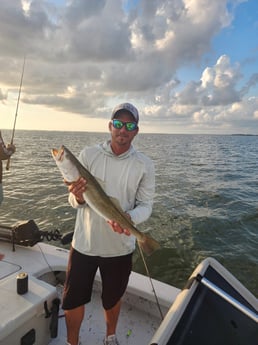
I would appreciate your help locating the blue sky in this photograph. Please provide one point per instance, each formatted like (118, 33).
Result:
(238, 41)
(190, 66)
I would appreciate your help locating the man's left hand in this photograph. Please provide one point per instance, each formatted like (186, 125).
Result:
(11, 147)
(117, 228)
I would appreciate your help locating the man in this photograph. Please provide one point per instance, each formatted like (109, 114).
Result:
(5, 153)
(128, 176)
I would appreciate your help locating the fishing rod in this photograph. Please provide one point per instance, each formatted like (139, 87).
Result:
(16, 113)
(151, 282)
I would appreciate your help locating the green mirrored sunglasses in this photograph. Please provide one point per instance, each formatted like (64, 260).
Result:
(130, 126)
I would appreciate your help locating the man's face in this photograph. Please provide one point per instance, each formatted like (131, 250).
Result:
(122, 136)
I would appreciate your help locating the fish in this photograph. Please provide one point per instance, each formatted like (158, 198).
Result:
(96, 198)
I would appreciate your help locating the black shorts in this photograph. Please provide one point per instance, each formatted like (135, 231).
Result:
(81, 271)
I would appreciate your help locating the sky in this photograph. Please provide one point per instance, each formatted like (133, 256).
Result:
(189, 66)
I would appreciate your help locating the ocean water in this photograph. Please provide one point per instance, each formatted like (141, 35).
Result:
(206, 202)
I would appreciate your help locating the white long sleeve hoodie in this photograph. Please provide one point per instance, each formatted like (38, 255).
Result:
(130, 178)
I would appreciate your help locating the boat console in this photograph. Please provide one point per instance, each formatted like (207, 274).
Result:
(214, 308)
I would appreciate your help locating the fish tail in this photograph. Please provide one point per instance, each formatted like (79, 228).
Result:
(148, 245)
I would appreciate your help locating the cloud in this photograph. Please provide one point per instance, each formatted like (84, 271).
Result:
(216, 87)
(214, 100)
(202, 100)
(81, 55)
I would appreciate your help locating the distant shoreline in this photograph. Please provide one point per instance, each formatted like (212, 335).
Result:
(149, 133)
(245, 135)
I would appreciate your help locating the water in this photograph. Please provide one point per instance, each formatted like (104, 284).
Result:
(206, 200)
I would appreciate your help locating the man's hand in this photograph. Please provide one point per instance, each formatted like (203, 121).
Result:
(117, 228)
(11, 147)
(77, 188)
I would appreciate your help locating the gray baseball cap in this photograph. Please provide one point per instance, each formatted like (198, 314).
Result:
(128, 107)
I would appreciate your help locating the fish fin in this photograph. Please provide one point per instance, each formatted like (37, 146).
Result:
(116, 202)
(148, 244)
(118, 206)
(101, 182)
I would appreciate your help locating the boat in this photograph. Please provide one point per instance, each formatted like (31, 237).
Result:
(213, 308)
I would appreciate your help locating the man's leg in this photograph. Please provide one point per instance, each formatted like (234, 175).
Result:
(111, 318)
(73, 319)
(115, 272)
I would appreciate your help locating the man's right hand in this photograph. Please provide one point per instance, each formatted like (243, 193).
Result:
(77, 188)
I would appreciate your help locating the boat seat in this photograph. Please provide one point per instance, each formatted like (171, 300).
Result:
(24, 311)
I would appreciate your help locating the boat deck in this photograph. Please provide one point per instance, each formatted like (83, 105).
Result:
(139, 318)
(135, 326)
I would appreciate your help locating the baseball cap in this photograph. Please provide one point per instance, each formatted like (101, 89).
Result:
(128, 107)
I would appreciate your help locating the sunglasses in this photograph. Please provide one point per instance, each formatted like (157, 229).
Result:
(130, 126)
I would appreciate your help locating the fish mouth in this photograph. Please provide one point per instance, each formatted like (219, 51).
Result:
(58, 153)
(54, 152)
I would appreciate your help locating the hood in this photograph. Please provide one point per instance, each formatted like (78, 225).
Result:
(106, 148)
